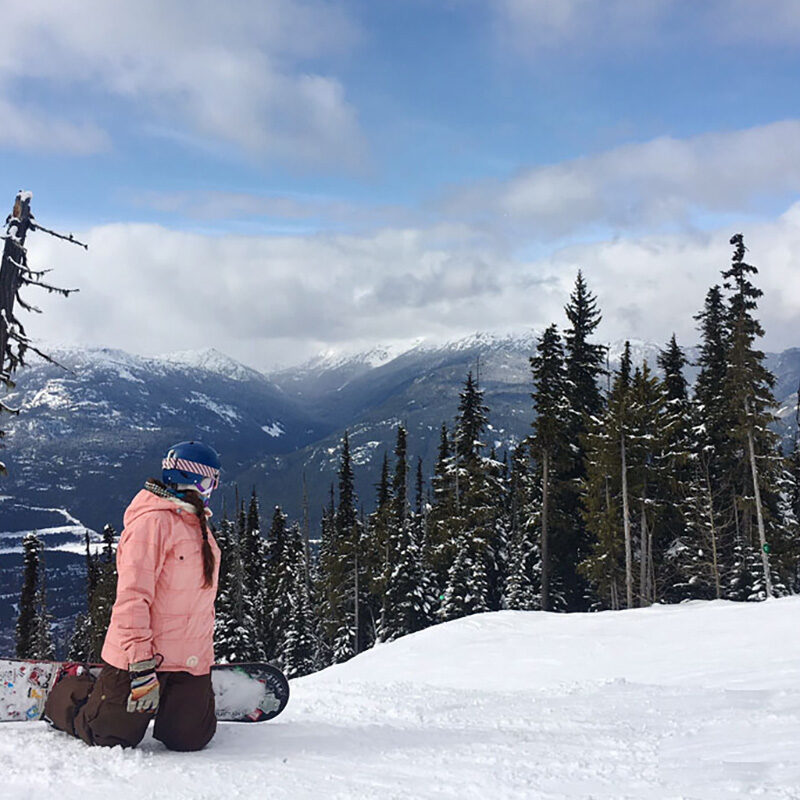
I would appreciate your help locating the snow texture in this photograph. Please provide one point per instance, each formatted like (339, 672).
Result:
(699, 701)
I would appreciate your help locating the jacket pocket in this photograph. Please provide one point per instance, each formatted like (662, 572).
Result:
(183, 567)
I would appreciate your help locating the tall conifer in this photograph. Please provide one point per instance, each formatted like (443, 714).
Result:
(551, 451)
(585, 362)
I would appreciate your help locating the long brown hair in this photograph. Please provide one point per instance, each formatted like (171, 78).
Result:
(195, 500)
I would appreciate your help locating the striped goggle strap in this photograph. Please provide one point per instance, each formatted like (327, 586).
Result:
(192, 466)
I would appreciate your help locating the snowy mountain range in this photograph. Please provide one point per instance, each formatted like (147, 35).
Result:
(91, 430)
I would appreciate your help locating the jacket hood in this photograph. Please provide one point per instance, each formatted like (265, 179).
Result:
(145, 501)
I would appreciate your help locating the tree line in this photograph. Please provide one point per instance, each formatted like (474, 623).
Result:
(630, 489)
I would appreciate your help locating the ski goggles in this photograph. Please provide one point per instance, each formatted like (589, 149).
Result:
(207, 485)
(201, 475)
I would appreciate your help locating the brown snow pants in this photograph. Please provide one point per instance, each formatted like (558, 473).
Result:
(96, 711)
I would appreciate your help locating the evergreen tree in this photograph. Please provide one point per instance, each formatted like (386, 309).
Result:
(276, 592)
(80, 643)
(234, 627)
(299, 647)
(225, 644)
(43, 645)
(792, 498)
(467, 586)
(28, 629)
(523, 587)
(104, 594)
(584, 365)
(78, 648)
(249, 568)
(705, 554)
(419, 499)
(442, 524)
(408, 604)
(584, 359)
(749, 401)
(324, 596)
(256, 564)
(345, 628)
(609, 565)
(375, 556)
(471, 422)
(477, 495)
(552, 455)
(679, 466)
(648, 479)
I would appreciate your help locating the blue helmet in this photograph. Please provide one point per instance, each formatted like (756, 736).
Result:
(191, 463)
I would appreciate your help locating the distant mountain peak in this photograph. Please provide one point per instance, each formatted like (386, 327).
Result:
(211, 360)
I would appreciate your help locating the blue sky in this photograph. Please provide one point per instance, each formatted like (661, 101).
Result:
(420, 166)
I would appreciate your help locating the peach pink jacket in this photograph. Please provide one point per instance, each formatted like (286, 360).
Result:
(162, 607)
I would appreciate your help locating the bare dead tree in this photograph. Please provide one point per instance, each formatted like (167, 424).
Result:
(15, 274)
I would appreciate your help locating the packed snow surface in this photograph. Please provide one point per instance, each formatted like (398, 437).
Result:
(694, 701)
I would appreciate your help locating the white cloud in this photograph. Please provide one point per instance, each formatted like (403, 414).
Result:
(278, 300)
(535, 27)
(234, 73)
(644, 185)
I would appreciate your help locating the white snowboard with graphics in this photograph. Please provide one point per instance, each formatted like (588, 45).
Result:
(243, 692)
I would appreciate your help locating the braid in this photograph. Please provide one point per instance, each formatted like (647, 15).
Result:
(208, 556)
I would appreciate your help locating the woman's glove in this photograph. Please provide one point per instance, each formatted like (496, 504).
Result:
(144, 687)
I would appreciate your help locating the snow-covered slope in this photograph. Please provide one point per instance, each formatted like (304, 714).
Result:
(694, 701)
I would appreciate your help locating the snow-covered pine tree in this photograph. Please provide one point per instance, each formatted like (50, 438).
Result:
(476, 503)
(694, 559)
(104, 594)
(344, 626)
(707, 553)
(255, 561)
(374, 557)
(322, 595)
(43, 645)
(274, 599)
(675, 430)
(585, 363)
(478, 497)
(441, 534)
(249, 572)
(420, 511)
(647, 478)
(80, 643)
(224, 607)
(299, 647)
(234, 630)
(791, 498)
(748, 396)
(408, 598)
(552, 458)
(467, 585)
(609, 566)
(28, 622)
(523, 585)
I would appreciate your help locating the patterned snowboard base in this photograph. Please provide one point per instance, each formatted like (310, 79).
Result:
(243, 692)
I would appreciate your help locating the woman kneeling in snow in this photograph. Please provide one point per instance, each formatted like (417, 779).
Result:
(159, 647)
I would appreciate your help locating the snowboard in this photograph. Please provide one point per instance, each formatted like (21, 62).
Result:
(243, 692)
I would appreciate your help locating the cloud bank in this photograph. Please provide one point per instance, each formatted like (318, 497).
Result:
(236, 74)
(665, 181)
(271, 300)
